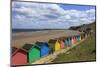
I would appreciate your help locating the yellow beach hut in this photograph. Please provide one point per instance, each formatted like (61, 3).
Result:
(54, 45)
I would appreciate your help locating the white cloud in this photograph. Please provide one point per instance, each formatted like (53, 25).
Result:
(36, 15)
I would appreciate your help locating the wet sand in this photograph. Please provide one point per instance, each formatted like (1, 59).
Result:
(19, 39)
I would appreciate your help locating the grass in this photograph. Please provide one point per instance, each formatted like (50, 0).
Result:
(85, 51)
(92, 26)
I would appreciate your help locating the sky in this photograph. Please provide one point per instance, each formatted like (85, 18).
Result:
(29, 15)
(76, 7)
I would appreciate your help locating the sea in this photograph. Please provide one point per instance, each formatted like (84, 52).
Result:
(31, 30)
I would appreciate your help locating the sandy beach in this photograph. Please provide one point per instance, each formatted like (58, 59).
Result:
(19, 39)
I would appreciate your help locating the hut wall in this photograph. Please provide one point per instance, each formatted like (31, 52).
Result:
(34, 54)
(51, 47)
(62, 44)
(44, 51)
(73, 40)
(78, 38)
(57, 46)
(20, 58)
(68, 41)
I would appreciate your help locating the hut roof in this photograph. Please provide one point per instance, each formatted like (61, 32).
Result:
(41, 43)
(52, 41)
(13, 49)
(27, 47)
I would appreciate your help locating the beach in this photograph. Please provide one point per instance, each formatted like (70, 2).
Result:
(19, 39)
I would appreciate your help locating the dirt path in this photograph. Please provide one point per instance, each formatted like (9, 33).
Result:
(51, 57)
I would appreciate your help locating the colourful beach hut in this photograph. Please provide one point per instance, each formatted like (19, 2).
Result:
(44, 48)
(68, 41)
(19, 56)
(54, 45)
(33, 52)
(78, 38)
(86, 35)
(82, 36)
(74, 40)
(62, 44)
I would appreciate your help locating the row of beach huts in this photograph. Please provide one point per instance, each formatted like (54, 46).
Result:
(30, 53)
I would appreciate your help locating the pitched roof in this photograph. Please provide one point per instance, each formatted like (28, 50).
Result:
(52, 41)
(13, 49)
(27, 46)
(41, 43)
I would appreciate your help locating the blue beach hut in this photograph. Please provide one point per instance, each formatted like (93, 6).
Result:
(68, 41)
(78, 38)
(44, 48)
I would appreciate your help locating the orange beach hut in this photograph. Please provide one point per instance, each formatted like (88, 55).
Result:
(74, 40)
(62, 44)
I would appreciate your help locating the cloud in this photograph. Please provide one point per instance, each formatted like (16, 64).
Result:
(42, 15)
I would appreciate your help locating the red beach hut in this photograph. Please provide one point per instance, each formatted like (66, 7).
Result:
(19, 56)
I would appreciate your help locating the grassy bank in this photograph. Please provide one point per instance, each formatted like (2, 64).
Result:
(85, 51)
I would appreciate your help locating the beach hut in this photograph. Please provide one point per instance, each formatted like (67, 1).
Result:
(62, 44)
(33, 52)
(74, 40)
(44, 48)
(86, 35)
(82, 36)
(19, 56)
(54, 45)
(68, 41)
(78, 38)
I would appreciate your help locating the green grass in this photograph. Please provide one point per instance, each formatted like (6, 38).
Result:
(92, 26)
(85, 51)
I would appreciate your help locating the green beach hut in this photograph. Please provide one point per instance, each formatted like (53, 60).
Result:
(33, 52)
